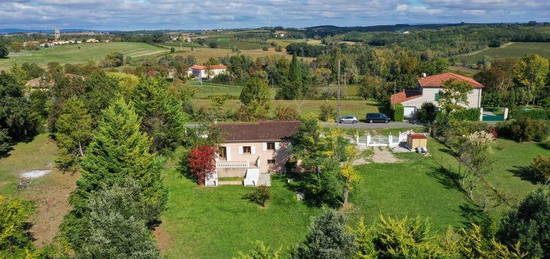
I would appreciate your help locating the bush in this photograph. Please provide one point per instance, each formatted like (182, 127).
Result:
(466, 114)
(534, 114)
(456, 129)
(529, 224)
(541, 168)
(327, 112)
(398, 112)
(285, 113)
(260, 195)
(524, 129)
(427, 113)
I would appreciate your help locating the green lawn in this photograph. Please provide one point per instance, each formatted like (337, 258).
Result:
(87, 52)
(411, 188)
(514, 50)
(218, 223)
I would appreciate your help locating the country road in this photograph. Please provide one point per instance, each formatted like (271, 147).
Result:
(363, 125)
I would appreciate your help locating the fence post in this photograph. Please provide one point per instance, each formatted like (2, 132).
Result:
(368, 140)
(480, 114)
(505, 113)
(390, 138)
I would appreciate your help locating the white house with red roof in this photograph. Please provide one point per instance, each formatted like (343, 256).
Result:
(206, 72)
(429, 90)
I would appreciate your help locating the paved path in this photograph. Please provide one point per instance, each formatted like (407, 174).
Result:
(363, 125)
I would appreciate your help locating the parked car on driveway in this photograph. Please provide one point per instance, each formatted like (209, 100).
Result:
(347, 119)
(377, 117)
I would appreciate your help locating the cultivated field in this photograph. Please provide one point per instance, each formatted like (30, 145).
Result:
(82, 53)
(203, 54)
(513, 50)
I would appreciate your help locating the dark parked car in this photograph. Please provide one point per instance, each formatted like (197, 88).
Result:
(377, 117)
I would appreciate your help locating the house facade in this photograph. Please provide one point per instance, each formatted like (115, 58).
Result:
(253, 149)
(206, 72)
(429, 91)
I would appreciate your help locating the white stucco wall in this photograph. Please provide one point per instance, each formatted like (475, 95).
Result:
(428, 95)
(281, 155)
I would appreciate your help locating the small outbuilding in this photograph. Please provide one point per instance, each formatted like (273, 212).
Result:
(416, 140)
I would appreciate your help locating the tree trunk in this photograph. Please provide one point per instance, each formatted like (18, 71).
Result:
(80, 150)
(346, 194)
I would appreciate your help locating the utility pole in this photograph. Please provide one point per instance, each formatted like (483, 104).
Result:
(338, 92)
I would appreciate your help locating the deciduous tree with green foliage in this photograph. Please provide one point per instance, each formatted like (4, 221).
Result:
(475, 155)
(16, 116)
(162, 113)
(74, 133)
(531, 73)
(255, 99)
(454, 95)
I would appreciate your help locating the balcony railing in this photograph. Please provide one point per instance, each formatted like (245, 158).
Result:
(232, 164)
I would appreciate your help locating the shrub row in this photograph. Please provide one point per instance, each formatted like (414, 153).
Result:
(534, 113)
(466, 114)
(524, 129)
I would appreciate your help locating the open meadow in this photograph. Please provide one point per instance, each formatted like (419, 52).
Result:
(82, 53)
(512, 50)
(204, 54)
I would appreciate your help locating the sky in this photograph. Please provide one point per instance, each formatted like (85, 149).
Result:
(219, 14)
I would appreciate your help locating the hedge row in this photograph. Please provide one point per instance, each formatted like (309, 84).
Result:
(533, 113)
(466, 114)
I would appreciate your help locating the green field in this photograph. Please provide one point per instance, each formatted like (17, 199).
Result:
(513, 50)
(347, 107)
(82, 53)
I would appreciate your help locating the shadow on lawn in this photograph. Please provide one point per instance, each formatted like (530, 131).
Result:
(449, 179)
(474, 214)
(526, 173)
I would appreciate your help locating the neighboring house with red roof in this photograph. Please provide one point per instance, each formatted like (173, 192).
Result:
(251, 149)
(206, 72)
(429, 90)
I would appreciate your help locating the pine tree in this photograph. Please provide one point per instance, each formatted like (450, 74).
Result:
(162, 113)
(327, 238)
(119, 150)
(74, 133)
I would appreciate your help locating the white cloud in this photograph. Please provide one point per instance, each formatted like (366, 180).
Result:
(196, 14)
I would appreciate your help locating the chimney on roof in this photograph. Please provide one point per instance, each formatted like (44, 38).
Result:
(424, 75)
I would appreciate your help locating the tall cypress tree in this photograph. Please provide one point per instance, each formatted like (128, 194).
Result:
(162, 113)
(119, 150)
(295, 78)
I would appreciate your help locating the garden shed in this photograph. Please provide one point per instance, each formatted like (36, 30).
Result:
(417, 140)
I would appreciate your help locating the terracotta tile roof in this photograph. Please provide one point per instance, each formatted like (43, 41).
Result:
(437, 81)
(405, 96)
(198, 67)
(417, 136)
(201, 67)
(260, 131)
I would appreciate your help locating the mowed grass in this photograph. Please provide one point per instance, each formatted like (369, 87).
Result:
(508, 172)
(218, 223)
(347, 107)
(407, 189)
(82, 53)
(513, 50)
